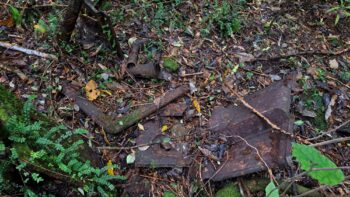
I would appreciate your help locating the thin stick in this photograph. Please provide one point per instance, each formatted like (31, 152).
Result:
(334, 79)
(259, 155)
(343, 139)
(331, 130)
(27, 51)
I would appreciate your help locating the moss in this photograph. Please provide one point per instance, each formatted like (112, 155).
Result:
(229, 190)
(9, 104)
(170, 64)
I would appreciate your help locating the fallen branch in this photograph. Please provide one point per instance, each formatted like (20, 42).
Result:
(303, 53)
(331, 130)
(343, 139)
(27, 51)
(115, 125)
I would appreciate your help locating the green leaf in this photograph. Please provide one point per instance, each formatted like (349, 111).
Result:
(15, 14)
(229, 190)
(299, 122)
(271, 190)
(337, 18)
(168, 194)
(170, 64)
(309, 157)
(130, 158)
(41, 26)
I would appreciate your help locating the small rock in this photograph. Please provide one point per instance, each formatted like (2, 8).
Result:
(333, 64)
(105, 76)
(275, 77)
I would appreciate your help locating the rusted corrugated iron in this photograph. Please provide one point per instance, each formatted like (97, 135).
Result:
(274, 103)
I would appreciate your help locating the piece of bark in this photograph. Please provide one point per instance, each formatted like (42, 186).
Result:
(149, 70)
(116, 125)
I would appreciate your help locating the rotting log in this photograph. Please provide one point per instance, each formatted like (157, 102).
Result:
(12, 106)
(69, 19)
(116, 125)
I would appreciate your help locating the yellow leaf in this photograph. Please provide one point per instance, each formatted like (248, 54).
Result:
(164, 128)
(140, 126)
(91, 90)
(110, 170)
(196, 104)
(39, 28)
(106, 92)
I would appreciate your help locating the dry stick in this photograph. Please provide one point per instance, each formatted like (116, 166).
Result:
(334, 79)
(304, 53)
(343, 139)
(27, 51)
(331, 130)
(259, 155)
(274, 126)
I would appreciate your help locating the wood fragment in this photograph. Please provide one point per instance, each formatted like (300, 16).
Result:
(18, 72)
(27, 51)
(69, 20)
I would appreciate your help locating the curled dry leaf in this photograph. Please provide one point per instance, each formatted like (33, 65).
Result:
(91, 90)
(110, 170)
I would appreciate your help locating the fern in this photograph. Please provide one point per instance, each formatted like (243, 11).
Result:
(56, 150)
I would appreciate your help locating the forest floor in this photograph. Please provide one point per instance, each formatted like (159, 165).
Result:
(250, 45)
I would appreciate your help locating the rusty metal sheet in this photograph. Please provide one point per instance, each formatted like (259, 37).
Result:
(174, 109)
(156, 156)
(274, 103)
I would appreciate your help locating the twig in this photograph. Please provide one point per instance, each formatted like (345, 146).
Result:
(27, 51)
(334, 79)
(274, 126)
(216, 172)
(18, 72)
(343, 139)
(124, 148)
(312, 191)
(331, 130)
(303, 53)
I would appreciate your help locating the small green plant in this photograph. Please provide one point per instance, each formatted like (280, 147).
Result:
(342, 9)
(225, 17)
(16, 15)
(55, 151)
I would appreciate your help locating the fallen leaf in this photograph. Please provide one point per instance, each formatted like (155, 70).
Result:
(333, 64)
(208, 153)
(244, 57)
(164, 128)
(106, 92)
(130, 158)
(143, 148)
(196, 104)
(110, 170)
(7, 22)
(91, 90)
(141, 127)
(329, 108)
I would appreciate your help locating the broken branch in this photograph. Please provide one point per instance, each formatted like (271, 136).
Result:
(27, 51)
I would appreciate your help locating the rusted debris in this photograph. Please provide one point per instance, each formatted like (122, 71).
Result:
(134, 52)
(156, 155)
(115, 125)
(274, 103)
(174, 110)
(148, 70)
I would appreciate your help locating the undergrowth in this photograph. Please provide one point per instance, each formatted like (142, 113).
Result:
(37, 152)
